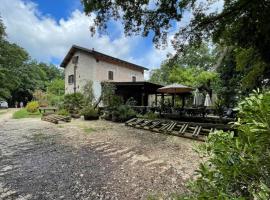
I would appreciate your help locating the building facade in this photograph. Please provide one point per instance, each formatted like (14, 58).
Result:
(81, 65)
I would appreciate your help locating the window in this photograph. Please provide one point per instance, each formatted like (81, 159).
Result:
(71, 79)
(110, 75)
(133, 78)
(75, 60)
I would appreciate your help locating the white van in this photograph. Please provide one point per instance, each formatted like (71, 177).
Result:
(3, 104)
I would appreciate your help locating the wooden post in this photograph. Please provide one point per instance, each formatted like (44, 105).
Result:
(183, 101)
(173, 99)
(156, 100)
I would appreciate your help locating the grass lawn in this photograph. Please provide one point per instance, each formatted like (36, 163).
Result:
(22, 113)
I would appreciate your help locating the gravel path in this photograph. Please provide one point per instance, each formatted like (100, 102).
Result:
(90, 160)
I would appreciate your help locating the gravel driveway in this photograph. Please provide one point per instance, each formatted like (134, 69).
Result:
(90, 160)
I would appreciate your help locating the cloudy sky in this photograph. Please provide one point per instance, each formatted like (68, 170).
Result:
(48, 28)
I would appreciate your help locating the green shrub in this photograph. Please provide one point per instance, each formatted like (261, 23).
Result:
(89, 113)
(150, 115)
(55, 100)
(63, 112)
(123, 113)
(238, 167)
(73, 103)
(32, 106)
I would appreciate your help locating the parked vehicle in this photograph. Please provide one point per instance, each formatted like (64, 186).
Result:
(3, 104)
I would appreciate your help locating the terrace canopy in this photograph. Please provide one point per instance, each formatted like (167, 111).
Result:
(139, 91)
(176, 89)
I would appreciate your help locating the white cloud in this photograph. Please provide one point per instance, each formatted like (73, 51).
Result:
(47, 39)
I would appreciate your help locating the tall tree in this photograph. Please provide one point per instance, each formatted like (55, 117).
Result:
(241, 23)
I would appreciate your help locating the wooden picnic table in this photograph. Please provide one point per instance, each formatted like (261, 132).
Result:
(45, 109)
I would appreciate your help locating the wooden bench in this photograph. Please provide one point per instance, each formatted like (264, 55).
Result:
(46, 109)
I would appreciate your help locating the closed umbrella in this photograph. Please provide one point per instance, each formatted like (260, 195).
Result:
(197, 98)
(207, 101)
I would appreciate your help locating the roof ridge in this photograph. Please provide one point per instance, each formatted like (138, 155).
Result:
(97, 53)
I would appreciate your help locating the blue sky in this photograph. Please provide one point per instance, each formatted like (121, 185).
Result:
(48, 28)
(58, 8)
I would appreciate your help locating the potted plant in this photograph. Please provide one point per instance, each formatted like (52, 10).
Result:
(89, 113)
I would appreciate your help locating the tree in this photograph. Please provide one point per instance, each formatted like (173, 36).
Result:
(250, 30)
(194, 67)
(56, 87)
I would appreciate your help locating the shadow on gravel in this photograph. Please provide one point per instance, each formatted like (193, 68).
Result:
(43, 168)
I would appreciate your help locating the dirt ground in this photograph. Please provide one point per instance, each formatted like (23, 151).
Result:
(90, 160)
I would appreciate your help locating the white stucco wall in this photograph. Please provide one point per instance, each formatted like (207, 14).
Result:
(89, 69)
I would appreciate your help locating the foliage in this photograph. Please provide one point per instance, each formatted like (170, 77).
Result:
(150, 115)
(248, 35)
(32, 106)
(56, 87)
(250, 63)
(250, 30)
(73, 103)
(192, 76)
(63, 112)
(123, 113)
(55, 100)
(229, 80)
(41, 98)
(22, 113)
(89, 113)
(88, 93)
(200, 58)
(131, 102)
(238, 167)
(108, 94)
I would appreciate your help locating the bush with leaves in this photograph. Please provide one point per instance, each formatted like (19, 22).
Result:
(150, 115)
(73, 103)
(238, 167)
(89, 113)
(88, 93)
(41, 97)
(32, 106)
(123, 113)
(63, 112)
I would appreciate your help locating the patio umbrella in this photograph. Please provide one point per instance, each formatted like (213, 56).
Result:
(175, 89)
(207, 101)
(197, 98)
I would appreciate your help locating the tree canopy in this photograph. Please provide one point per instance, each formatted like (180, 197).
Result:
(243, 25)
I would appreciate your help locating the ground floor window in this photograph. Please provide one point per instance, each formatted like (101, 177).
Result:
(133, 78)
(71, 79)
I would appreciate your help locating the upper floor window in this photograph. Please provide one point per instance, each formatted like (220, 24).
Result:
(71, 79)
(110, 75)
(133, 78)
(75, 60)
